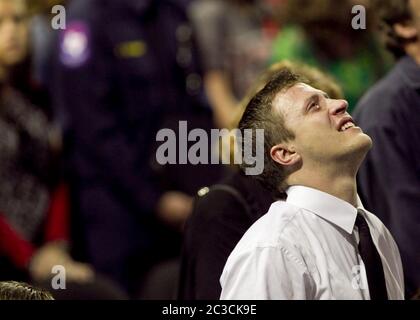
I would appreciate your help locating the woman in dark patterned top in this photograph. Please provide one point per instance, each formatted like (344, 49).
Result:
(33, 211)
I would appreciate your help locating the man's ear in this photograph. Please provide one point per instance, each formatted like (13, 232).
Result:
(406, 30)
(284, 155)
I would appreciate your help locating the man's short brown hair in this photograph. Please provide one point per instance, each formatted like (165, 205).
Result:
(260, 114)
(390, 12)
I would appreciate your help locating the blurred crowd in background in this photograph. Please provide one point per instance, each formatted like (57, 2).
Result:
(80, 109)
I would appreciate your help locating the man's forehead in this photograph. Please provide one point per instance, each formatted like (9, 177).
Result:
(293, 96)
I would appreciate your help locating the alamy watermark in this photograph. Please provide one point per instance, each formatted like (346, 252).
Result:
(58, 22)
(359, 20)
(246, 149)
(359, 280)
(58, 282)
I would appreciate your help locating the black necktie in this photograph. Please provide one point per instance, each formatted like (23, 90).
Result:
(372, 261)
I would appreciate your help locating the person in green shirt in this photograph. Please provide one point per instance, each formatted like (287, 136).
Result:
(320, 34)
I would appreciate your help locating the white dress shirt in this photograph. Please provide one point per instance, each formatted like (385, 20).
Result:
(306, 248)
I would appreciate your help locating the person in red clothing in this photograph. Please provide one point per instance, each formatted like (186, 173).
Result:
(33, 210)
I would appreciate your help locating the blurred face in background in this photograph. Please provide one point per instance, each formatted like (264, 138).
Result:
(13, 32)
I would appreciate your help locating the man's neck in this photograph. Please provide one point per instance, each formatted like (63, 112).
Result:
(334, 182)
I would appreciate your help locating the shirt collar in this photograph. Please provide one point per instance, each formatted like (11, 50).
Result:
(409, 71)
(324, 205)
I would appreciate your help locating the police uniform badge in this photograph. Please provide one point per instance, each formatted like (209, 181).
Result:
(74, 45)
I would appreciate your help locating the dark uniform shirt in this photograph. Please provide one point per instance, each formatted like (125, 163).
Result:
(389, 178)
(123, 68)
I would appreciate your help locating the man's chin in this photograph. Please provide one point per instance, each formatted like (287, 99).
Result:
(361, 147)
(366, 141)
(356, 149)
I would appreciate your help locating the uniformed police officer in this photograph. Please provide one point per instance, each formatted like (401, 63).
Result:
(124, 68)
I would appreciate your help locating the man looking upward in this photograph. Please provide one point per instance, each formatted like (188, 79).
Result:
(320, 243)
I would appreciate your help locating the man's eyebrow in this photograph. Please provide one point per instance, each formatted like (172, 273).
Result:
(315, 96)
(311, 97)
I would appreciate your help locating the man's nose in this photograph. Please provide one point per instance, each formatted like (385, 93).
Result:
(338, 106)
